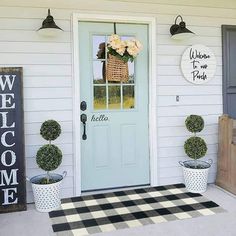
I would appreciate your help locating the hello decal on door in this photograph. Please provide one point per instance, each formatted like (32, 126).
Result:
(198, 64)
(101, 117)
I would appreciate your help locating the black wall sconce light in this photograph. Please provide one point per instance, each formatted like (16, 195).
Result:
(179, 31)
(49, 27)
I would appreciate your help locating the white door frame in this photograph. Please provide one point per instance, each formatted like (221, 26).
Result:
(151, 22)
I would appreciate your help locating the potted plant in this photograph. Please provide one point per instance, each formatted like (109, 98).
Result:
(195, 171)
(46, 187)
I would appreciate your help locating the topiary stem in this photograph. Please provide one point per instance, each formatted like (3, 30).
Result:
(48, 177)
(195, 159)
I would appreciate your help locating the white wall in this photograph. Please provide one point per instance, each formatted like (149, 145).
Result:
(47, 67)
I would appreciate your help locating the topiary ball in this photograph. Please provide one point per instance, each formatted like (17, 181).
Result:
(49, 157)
(50, 130)
(194, 123)
(195, 147)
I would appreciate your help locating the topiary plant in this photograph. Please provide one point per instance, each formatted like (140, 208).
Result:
(49, 156)
(194, 123)
(50, 130)
(195, 147)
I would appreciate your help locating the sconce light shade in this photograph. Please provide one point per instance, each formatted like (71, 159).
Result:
(179, 31)
(49, 27)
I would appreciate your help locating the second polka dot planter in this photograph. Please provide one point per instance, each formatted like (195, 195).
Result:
(196, 179)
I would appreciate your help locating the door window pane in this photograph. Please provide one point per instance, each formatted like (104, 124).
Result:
(131, 72)
(128, 97)
(114, 98)
(99, 72)
(99, 46)
(110, 95)
(99, 101)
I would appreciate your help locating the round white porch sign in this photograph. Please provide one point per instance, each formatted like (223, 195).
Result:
(198, 64)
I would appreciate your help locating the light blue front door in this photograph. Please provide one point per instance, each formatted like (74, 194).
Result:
(115, 152)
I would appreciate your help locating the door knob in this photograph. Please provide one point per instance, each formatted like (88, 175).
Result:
(83, 119)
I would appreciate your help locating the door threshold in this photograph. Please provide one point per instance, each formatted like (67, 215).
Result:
(109, 190)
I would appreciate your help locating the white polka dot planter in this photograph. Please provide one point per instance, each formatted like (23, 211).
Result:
(196, 178)
(47, 196)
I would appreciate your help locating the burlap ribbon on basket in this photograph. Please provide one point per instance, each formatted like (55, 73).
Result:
(116, 69)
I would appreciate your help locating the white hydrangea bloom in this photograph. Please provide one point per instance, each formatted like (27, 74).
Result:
(115, 44)
(130, 43)
(132, 46)
(113, 37)
(121, 49)
(138, 44)
(133, 51)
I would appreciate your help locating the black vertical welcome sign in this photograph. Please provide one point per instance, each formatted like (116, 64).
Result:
(12, 158)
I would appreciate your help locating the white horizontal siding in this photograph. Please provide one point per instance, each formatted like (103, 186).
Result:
(175, 49)
(202, 110)
(47, 81)
(189, 100)
(47, 67)
(35, 47)
(53, 92)
(179, 120)
(181, 131)
(189, 90)
(177, 80)
(40, 116)
(36, 59)
(30, 36)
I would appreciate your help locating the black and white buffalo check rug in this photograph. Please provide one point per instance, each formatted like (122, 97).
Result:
(125, 209)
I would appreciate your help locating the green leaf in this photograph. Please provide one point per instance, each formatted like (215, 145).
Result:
(50, 130)
(126, 56)
(194, 123)
(195, 147)
(49, 157)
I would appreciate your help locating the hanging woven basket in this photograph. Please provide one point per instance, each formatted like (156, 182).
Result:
(116, 70)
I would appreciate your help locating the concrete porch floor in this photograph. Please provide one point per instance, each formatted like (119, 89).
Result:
(33, 223)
